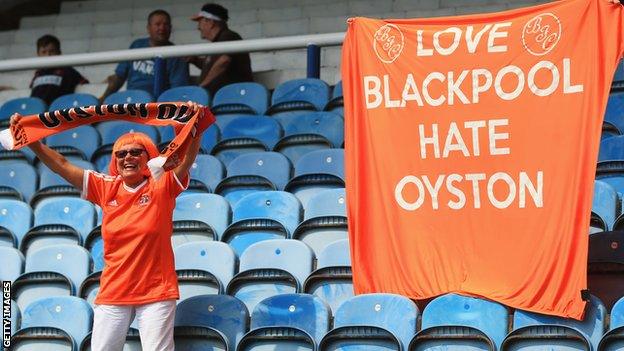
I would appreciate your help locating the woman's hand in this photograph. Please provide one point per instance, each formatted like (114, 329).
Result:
(15, 118)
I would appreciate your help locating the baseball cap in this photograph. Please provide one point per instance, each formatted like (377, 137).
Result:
(214, 12)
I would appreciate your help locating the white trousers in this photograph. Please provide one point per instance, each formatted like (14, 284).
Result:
(155, 320)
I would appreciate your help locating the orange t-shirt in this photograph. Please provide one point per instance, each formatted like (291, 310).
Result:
(136, 229)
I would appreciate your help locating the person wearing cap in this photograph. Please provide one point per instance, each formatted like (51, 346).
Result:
(140, 73)
(219, 70)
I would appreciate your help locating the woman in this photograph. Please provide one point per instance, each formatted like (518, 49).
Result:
(139, 275)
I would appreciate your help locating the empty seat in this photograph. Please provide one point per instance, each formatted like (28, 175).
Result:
(73, 100)
(255, 171)
(315, 171)
(199, 217)
(16, 317)
(461, 323)
(605, 269)
(95, 245)
(262, 215)
(244, 98)
(611, 172)
(309, 132)
(372, 322)
(538, 331)
(52, 184)
(615, 110)
(210, 322)
(299, 95)
(54, 323)
(613, 340)
(605, 202)
(12, 263)
(204, 267)
(129, 97)
(336, 104)
(210, 137)
(287, 322)
(24, 106)
(184, 94)
(609, 130)
(618, 77)
(15, 220)
(89, 288)
(332, 280)
(597, 224)
(59, 220)
(611, 149)
(18, 180)
(206, 173)
(76, 141)
(247, 134)
(224, 120)
(269, 268)
(51, 271)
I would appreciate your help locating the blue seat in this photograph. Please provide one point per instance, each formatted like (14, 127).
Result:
(73, 100)
(618, 77)
(16, 317)
(89, 288)
(244, 98)
(609, 130)
(24, 106)
(287, 322)
(269, 268)
(12, 263)
(308, 94)
(613, 340)
(332, 280)
(54, 270)
(206, 173)
(611, 149)
(315, 171)
(199, 217)
(210, 322)
(605, 266)
(52, 184)
(184, 94)
(615, 110)
(204, 267)
(224, 120)
(59, 220)
(95, 245)
(611, 172)
(81, 141)
(534, 330)
(605, 202)
(336, 103)
(373, 322)
(15, 219)
(18, 180)
(54, 323)
(247, 134)
(128, 97)
(209, 139)
(255, 171)
(309, 132)
(325, 219)
(262, 215)
(458, 322)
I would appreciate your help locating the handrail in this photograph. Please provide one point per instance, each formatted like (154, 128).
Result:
(228, 47)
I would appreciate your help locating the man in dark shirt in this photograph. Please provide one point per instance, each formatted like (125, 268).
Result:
(219, 70)
(50, 83)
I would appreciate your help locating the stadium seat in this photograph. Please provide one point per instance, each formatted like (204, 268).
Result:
(12, 263)
(325, 219)
(18, 180)
(15, 220)
(54, 323)
(287, 322)
(613, 340)
(209, 139)
(24, 106)
(51, 271)
(59, 220)
(597, 224)
(129, 97)
(537, 331)
(373, 322)
(262, 215)
(185, 94)
(309, 132)
(611, 172)
(224, 120)
(89, 288)
(255, 171)
(95, 245)
(615, 110)
(332, 280)
(336, 103)
(199, 217)
(299, 95)
(241, 98)
(206, 173)
(618, 77)
(315, 171)
(16, 317)
(76, 141)
(269, 268)
(210, 322)
(111, 131)
(605, 269)
(133, 341)
(606, 202)
(456, 322)
(53, 185)
(612, 149)
(246, 134)
(73, 100)
(609, 130)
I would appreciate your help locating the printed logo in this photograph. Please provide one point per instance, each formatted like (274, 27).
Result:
(388, 43)
(144, 200)
(541, 34)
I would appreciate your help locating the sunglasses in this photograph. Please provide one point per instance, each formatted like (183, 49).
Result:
(132, 152)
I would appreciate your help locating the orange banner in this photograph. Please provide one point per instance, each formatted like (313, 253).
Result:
(471, 147)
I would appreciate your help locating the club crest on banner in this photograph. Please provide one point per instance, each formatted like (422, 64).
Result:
(388, 43)
(541, 34)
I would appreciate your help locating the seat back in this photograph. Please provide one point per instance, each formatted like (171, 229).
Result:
(214, 257)
(270, 165)
(73, 100)
(24, 106)
(12, 263)
(279, 206)
(74, 212)
(21, 177)
(262, 128)
(84, 138)
(211, 209)
(17, 217)
(184, 94)
(308, 91)
(247, 98)
(129, 97)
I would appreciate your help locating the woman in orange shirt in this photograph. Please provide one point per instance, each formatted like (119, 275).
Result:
(139, 276)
